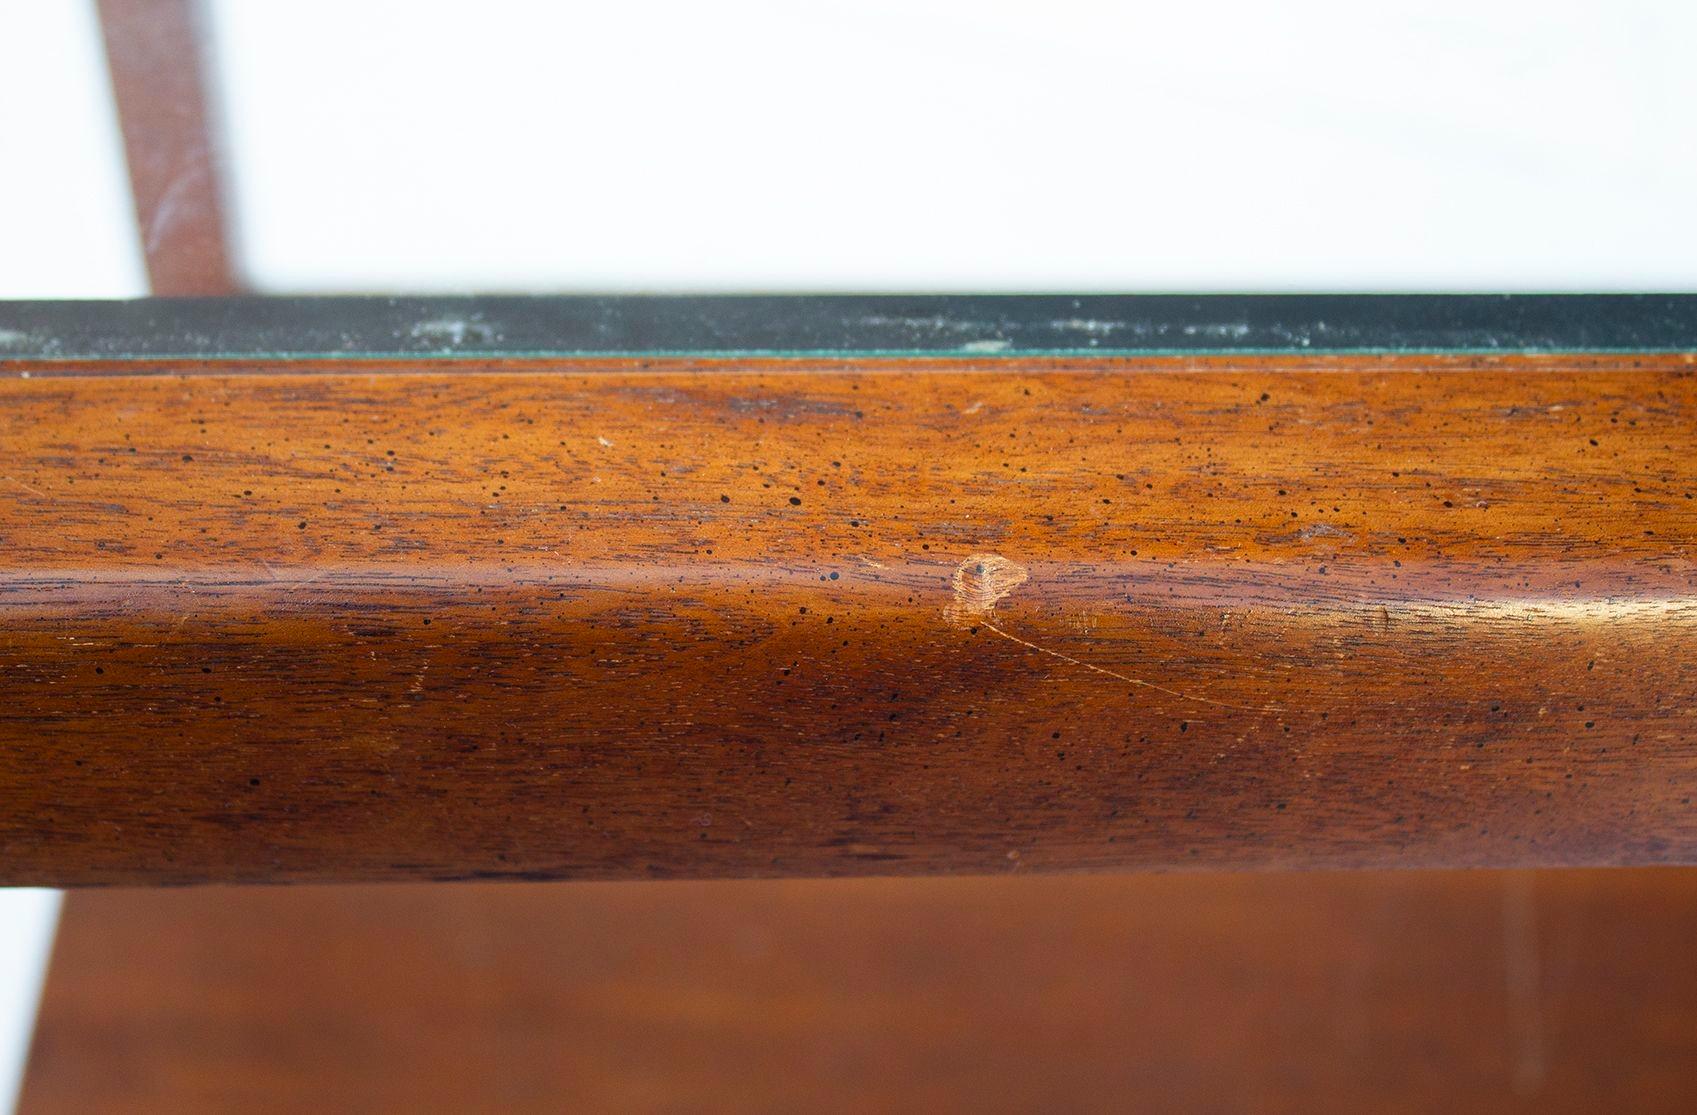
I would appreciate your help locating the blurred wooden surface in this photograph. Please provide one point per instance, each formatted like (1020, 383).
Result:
(1406, 992)
(153, 53)
(619, 618)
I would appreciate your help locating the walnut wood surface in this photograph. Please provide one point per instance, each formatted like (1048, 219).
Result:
(1404, 992)
(619, 618)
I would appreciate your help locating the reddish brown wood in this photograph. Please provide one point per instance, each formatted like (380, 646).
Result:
(1407, 992)
(153, 53)
(621, 619)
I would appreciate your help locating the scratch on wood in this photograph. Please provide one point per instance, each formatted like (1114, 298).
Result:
(984, 579)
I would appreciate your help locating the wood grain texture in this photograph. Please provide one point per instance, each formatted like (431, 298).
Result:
(1405, 992)
(623, 618)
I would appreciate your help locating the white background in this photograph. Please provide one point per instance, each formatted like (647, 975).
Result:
(972, 144)
(737, 145)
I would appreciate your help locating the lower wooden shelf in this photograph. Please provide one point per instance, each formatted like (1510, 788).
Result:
(1396, 992)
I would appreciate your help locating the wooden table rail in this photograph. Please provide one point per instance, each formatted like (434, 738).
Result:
(341, 589)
